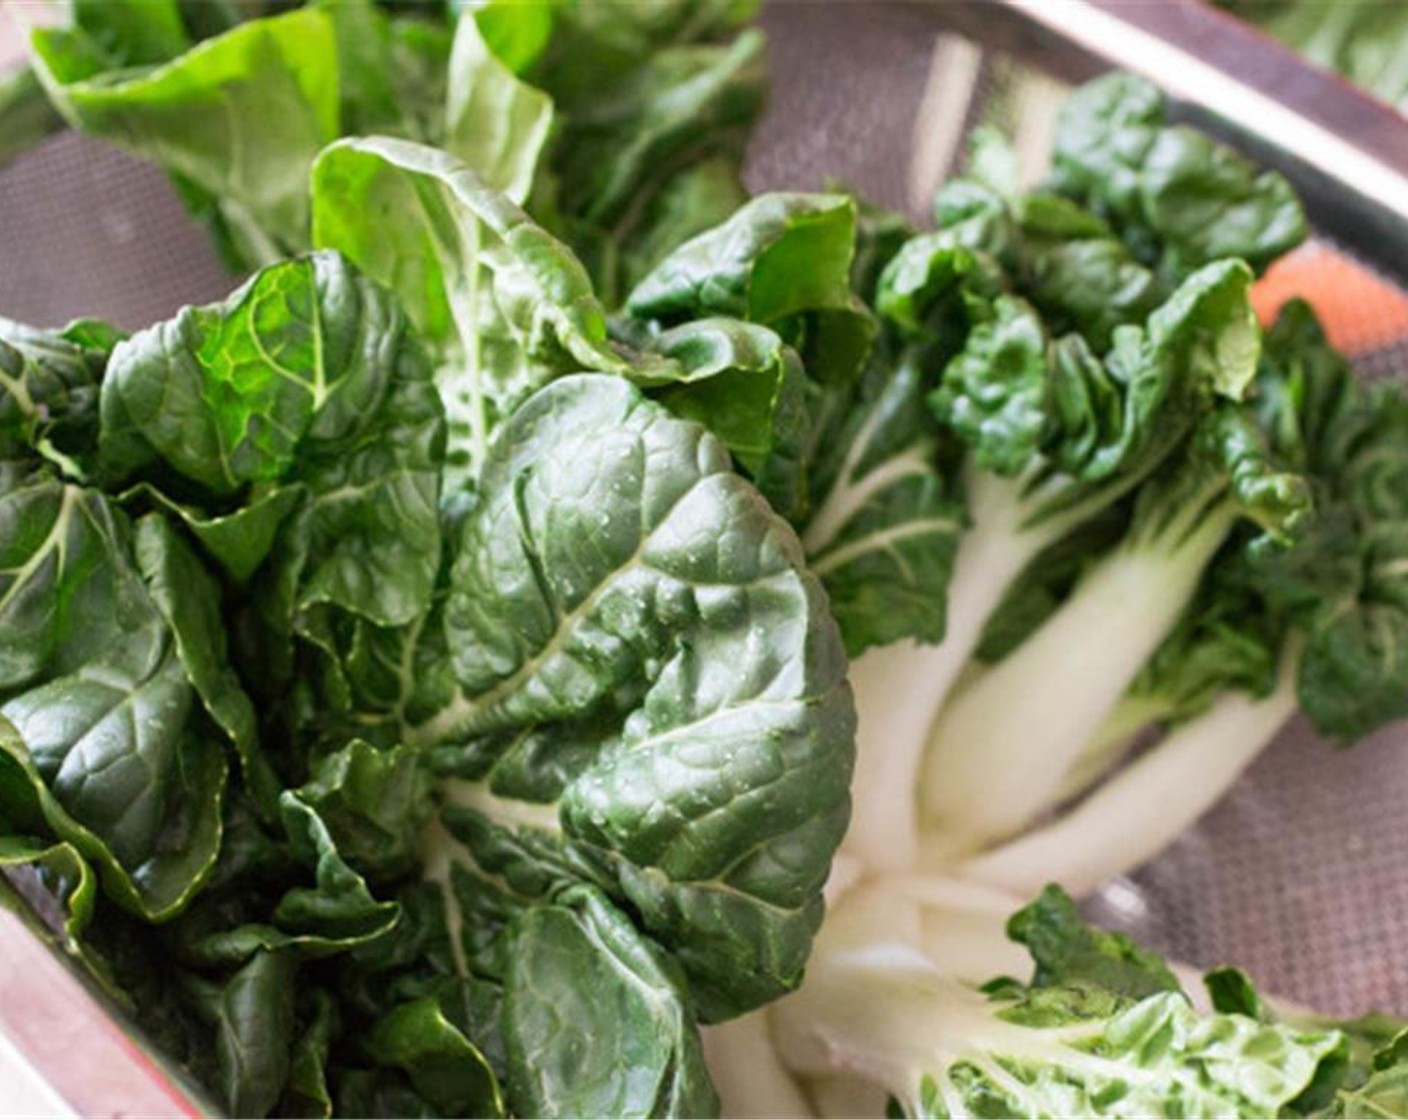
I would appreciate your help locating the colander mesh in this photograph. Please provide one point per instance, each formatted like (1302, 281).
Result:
(86, 230)
(1298, 875)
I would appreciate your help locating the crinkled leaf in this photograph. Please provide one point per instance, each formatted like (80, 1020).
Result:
(1019, 400)
(70, 593)
(1068, 952)
(1103, 1032)
(107, 698)
(339, 908)
(782, 260)
(49, 392)
(244, 916)
(136, 779)
(225, 394)
(1228, 459)
(506, 306)
(374, 803)
(1343, 582)
(1079, 275)
(617, 569)
(305, 377)
(994, 393)
(933, 290)
(1178, 198)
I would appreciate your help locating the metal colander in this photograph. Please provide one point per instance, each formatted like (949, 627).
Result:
(1297, 875)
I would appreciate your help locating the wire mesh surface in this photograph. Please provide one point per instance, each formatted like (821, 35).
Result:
(1298, 875)
(86, 230)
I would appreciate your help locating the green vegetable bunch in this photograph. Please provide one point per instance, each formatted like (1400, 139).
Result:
(424, 681)
(405, 709)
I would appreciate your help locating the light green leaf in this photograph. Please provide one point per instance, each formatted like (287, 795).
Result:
(505, 306)
(493, 122)
(266, 89)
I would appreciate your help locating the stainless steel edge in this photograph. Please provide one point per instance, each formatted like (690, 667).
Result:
(70, 1036)
(1345, 152)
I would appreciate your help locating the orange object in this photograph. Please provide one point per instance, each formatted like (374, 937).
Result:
(1360, 310)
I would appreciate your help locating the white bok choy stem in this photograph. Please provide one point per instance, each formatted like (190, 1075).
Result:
(1144, 808)
(901, 688)
(1111, 743)
(750, 1077)
(962, 925)
(741, 1053)
(1000, 752)
(886, 1013)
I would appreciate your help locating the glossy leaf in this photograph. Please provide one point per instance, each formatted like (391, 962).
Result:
(275, 393)
(107, 725)
(443, 1066)
(675, 614)
(49, 392)
(506, 306)
(596, 1018)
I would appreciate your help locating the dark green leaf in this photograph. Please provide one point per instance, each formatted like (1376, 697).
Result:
(883, 527)
(597, 1019)
(1068, 952)
(443, 1066)
(1178, 198)
(253, 1016)
(374, 804)
(669, 602)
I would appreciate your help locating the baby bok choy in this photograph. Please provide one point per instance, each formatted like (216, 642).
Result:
(1316, 627)
(467, 767)
(1102, 1027)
